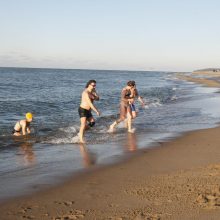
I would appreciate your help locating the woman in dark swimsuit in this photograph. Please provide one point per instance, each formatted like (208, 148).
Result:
(125, 110)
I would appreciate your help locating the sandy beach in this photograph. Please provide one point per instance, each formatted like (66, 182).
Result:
(209, 82)
(210, 73)
(179, 179)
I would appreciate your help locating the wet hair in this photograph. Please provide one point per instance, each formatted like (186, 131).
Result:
(89, 82)
(131, 83)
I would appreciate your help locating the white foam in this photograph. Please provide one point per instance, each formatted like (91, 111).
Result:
(71, 129)
(59, 141)
(66, 138)
(122, 124)
(132, 130)
(75, 139)
(155, 104)
(173, 98)
(110, 130)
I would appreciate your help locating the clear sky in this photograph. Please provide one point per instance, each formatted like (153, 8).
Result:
(175, 35)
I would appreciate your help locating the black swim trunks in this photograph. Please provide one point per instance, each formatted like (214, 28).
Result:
(84, 113)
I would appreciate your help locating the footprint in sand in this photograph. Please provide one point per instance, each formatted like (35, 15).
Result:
(210, 200)
(142, 216)
(214, 166)
(66, 203)
(74, 214)
(28, 217)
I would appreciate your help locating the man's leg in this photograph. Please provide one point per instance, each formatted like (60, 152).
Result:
(82, 129)
(91, 121)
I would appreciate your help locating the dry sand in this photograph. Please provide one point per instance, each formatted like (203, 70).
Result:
(179, 179)
(207, 73)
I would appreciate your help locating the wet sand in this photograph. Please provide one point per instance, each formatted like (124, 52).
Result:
(177, 180)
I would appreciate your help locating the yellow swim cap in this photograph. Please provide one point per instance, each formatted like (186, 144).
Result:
(29, 115)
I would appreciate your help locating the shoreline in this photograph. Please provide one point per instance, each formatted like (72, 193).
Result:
(209, 82)
(210, 79)
(177, 180)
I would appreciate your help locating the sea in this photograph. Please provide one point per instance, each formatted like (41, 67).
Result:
(51, 154)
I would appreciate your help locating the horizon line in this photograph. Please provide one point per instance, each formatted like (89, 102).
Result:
(59, 68)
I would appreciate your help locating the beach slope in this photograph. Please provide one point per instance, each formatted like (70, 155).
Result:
(177, 180)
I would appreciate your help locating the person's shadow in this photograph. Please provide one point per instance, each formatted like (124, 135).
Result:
(89, 158)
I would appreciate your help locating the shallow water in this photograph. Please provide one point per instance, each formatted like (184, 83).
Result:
(53, 95)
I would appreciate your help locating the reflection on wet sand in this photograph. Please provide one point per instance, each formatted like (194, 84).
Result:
(89, 158)
(26, 153)
(131, 144)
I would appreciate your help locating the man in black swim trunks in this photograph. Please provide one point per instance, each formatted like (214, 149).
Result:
(89, 95)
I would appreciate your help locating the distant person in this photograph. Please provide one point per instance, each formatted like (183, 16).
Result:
(89, 95)
(22, 127)
(125, 109)
(134, 95)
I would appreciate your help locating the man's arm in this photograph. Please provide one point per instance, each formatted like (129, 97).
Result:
(95, 95)
(86, 96)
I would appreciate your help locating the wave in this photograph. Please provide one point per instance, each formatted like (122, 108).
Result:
(97, 134)
(59, 131)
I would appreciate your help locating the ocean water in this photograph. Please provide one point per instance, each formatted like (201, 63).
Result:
(52, 153)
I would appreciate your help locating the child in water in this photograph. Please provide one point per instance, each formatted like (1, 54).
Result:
(22, 127)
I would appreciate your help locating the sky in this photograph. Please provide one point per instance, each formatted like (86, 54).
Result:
(158, 35)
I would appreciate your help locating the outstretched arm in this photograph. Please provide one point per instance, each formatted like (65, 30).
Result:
(140, 99)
